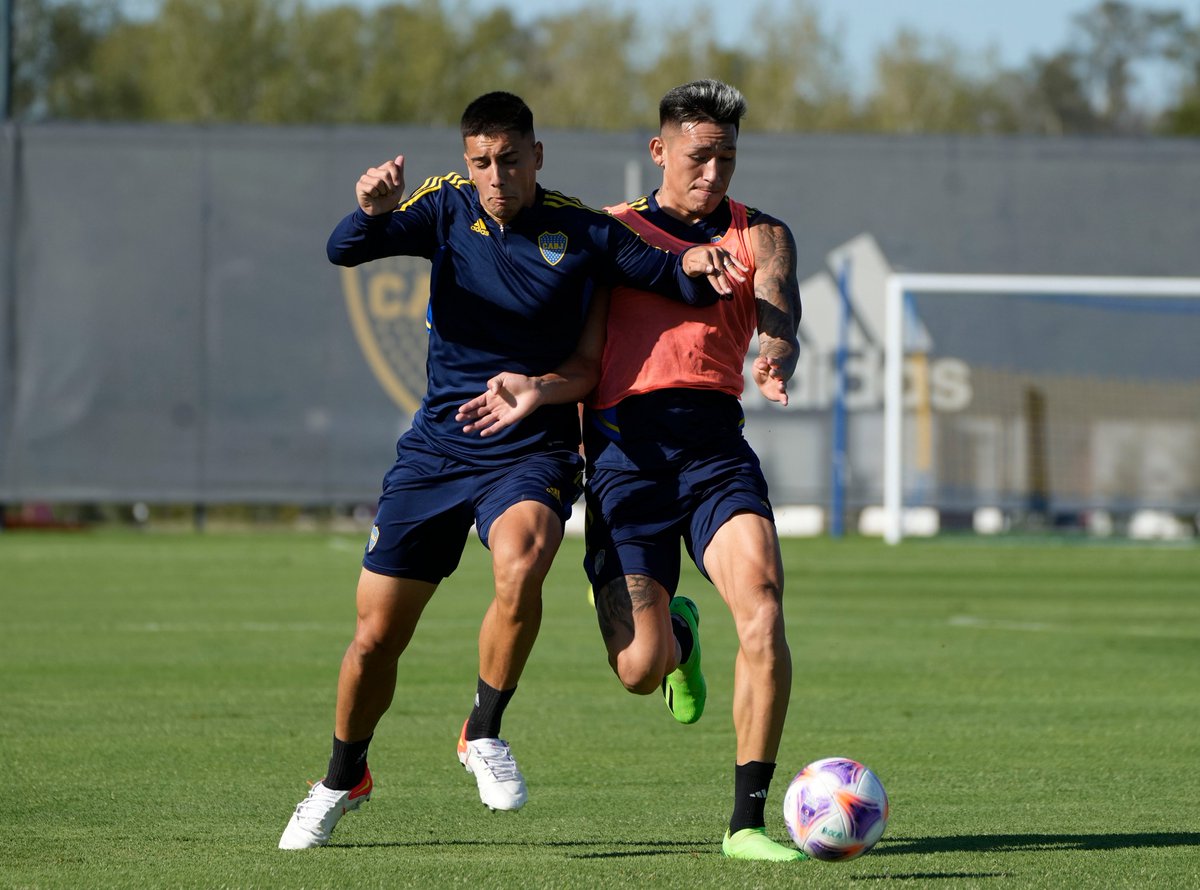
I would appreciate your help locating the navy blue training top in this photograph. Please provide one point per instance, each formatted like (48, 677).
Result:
(510, 297)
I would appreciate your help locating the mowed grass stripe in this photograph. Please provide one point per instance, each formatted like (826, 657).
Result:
(1031, 708)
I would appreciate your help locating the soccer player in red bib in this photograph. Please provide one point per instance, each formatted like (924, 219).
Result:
(519, 280)
(666, 459)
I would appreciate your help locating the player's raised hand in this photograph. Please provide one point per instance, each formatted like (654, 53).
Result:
(381, 188)
(720, 266)
(509, 398)
(770, 378)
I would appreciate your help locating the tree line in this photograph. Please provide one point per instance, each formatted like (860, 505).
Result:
(421, 61)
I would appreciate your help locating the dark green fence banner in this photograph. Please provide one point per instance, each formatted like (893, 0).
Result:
(171, 330)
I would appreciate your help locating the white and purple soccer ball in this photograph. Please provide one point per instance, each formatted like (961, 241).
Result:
(835, 808)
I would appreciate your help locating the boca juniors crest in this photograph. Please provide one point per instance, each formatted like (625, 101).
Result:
(553, 246)
(388, 303)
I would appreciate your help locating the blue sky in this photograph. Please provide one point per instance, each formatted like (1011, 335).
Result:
(1014, 29)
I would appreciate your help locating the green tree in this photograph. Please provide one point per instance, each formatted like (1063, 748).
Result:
(922, 88)
(794, 79)
(679, 54)
(54, 55)
(1183, 50)
(408, 49)
(497, 54)
(319, 68)
(421, 61)
(1111, 40)
(579, 74)
(210, 60)
(1058, 102)
(797, 77)
(121, 65)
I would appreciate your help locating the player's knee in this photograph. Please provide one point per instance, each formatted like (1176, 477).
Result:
(760, 625)
(639, 672)
(519, 569)
(374, 640)
(640, 684)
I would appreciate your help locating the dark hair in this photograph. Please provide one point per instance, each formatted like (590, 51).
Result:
(497, 112)
(702, 100)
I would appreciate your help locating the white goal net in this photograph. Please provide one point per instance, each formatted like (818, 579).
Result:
(1042, 399)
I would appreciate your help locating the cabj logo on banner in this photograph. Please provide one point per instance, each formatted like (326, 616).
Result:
(388, 301)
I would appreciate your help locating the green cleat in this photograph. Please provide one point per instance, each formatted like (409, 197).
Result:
(684, 688)
(753, 844)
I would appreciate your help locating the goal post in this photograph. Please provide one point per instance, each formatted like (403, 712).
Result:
(1150, 332)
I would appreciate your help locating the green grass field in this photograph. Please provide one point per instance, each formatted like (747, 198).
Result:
(1033, 709)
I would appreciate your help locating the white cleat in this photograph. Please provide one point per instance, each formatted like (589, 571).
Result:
(319, 812)
(490, 761)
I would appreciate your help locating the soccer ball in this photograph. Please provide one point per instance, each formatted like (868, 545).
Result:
(835, 808)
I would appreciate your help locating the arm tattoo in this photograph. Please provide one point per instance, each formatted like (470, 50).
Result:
(776, 290)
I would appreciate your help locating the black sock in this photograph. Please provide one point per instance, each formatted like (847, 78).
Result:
(347, 764)
(683, 633)
(751, 782)
(484, 722)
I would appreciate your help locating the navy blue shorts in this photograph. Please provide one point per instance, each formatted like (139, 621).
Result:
(430, 501)
(636, 518)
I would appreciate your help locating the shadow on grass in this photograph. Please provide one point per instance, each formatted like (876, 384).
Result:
(1013, 843)
(624, 848)
(932, 876)
(985, 843)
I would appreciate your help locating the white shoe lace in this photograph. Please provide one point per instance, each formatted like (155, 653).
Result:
(496, 758)
(318, 803)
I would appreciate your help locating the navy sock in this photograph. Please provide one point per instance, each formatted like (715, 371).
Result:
(484, 722)
(347, 764)
(751, 781)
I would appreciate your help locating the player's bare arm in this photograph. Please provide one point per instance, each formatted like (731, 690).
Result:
(777, 302)
(510, 397)
(381, 188)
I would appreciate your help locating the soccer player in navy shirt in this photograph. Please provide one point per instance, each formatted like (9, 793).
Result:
(520, 276)
(668, 463)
